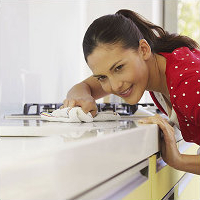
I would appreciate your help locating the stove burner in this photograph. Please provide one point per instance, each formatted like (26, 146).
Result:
(121, 108)
(48, 107)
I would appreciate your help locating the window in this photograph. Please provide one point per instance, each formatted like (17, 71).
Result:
(189, 18)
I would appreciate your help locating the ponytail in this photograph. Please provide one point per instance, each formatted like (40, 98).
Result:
(128, 28)
(158, 39)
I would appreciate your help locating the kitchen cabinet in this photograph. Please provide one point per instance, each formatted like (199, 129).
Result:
(102, 161)
(168, 183)
(189, 185)
(153, 181)
(187, 188)
(75, 161)
(128, 185)
(164, 178)
(143, 192)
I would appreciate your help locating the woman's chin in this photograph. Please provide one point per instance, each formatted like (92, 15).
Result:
(132, 100)
(128, 101)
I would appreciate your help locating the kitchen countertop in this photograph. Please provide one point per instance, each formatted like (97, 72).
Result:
(77, 156)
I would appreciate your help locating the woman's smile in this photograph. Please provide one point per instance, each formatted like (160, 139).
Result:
(127, 92)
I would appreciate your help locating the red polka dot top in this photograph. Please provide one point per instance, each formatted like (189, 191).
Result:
(183, 81)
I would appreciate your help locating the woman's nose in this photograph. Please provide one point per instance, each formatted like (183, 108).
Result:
(115, 85)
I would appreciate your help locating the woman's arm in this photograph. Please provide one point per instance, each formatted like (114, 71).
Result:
(88, 87)
(95, 87)
(84, 95)
(169, 150)
(189, 163)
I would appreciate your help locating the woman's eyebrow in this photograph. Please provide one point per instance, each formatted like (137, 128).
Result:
(96, 75)
(109, 69)
(114, 65)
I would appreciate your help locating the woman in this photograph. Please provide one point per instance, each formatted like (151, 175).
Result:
(128, 55)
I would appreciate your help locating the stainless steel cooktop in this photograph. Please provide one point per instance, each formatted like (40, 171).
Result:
(29, 123)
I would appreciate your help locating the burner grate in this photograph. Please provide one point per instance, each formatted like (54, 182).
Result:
(121, 108)
(47, 107)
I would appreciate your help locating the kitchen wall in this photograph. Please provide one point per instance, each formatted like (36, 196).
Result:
(41, 45)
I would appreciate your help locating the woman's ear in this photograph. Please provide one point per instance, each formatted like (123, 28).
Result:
(144, 49)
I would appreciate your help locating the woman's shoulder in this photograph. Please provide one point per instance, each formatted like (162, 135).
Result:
(182, 53)
(182, 63)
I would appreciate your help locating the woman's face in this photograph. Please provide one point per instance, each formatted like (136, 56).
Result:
(120, 71)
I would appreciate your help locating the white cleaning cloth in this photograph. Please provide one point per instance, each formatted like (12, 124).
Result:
(76, 114)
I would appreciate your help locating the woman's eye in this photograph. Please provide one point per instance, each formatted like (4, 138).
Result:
(118, 68)
(101, 78)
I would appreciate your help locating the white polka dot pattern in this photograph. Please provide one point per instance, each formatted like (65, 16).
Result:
(183, 80)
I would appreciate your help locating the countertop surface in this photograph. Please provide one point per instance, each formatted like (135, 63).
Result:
(77, 156)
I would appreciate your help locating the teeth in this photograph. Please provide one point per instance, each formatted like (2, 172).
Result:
(125, 91)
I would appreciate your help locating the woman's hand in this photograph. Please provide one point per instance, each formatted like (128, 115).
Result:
(87, 104)
(169, 150)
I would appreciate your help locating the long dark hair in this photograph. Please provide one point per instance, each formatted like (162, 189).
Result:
(128, 27)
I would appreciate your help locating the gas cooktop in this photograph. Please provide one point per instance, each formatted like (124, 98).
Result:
(29, 122)
(33, 110)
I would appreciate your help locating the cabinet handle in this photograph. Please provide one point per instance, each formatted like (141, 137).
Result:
(184, 182)
(169, 195)
(160, 163)
(120, 185)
